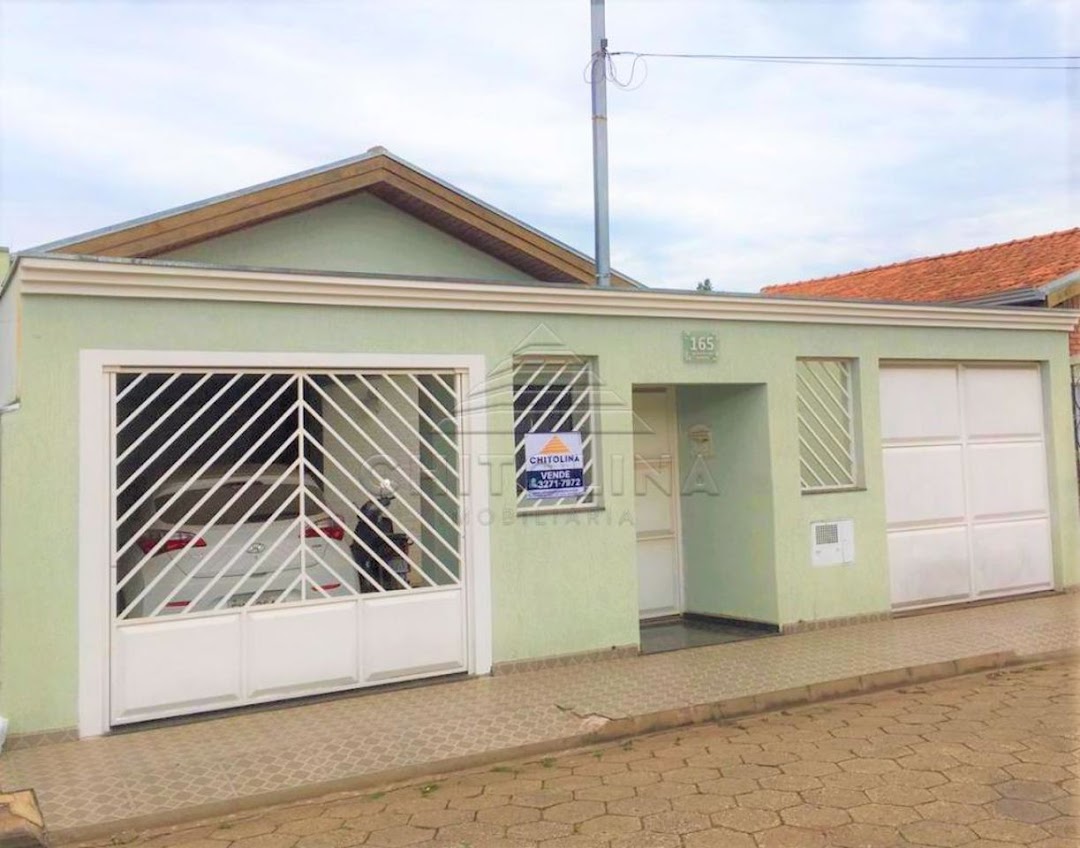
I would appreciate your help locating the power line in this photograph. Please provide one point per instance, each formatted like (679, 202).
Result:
(936, 65)
(838, 58)
(960, 63)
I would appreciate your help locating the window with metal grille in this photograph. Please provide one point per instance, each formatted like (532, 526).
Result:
(1076, 410)
(554, 395)
(828, 453)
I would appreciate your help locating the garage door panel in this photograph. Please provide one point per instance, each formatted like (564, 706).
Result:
(298, 649)
(1007, 479)
(919, 404)
(1002, 402)
(1012, 556)
(927, 566)
(964, 446)
(179, 666)
(924, 484)
(412, 636)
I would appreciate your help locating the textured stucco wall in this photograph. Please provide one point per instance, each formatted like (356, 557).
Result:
(359, 233)
(727, 504)
(560, 583)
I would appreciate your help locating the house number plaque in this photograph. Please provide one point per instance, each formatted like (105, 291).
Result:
(699, 347)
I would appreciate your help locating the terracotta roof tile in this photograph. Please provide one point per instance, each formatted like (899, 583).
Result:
(1024, 263)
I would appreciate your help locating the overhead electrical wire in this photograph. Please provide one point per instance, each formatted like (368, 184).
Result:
(848, 58)
(941, 62)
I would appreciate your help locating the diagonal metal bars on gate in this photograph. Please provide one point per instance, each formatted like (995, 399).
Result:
(238, 474)
(158, 514)
(359, 431)
(191, 451)
(371, 496)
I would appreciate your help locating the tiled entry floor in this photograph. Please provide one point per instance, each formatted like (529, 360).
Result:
(673, 634)
(170, 769)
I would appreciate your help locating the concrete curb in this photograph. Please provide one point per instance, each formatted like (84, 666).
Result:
(610, 731)
(801, 695)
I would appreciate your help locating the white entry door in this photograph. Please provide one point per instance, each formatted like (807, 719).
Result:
(965, 482)
(656, 503)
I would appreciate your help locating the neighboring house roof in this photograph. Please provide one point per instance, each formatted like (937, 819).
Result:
(379, 172)
(1043, 269)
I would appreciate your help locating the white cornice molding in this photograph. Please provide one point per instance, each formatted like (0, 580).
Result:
(91, 277)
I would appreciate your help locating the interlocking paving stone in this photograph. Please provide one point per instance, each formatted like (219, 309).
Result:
(539, 831)
(1005, 830)
(746, 820)
(950, 811)
(859, 835)
(811, 816)
(610, 826)
(718, 837)
(886, 814)
(1031, 812)
(943, 834)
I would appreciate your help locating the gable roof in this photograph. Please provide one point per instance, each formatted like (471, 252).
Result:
(1033, 265)
(378, 172)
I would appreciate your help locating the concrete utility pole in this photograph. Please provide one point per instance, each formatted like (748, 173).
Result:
(599, 144)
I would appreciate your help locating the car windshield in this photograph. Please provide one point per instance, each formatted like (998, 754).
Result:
(256, 493)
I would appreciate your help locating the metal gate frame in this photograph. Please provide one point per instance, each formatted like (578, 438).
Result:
(1075, 372)
(94, 583)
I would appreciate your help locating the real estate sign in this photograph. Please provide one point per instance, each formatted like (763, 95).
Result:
(554, 466)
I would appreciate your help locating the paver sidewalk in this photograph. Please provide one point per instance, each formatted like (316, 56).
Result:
(980, 761)
(246, 757)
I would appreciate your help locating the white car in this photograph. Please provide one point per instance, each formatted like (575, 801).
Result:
(215, 562)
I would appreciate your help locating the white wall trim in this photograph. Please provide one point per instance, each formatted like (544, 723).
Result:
(96, 277)
(94, 601)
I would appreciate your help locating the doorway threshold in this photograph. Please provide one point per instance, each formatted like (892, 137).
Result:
(676, 632)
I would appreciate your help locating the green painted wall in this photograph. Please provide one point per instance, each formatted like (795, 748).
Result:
(359, 233)
(727, 504)
(560, 583)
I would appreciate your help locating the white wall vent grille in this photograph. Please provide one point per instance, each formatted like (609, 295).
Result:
(832, 542)
(827, 534)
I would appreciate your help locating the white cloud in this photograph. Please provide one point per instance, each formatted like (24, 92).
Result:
(747, 174)
(898, 24)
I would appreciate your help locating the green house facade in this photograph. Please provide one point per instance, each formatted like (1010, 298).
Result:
(199, 407)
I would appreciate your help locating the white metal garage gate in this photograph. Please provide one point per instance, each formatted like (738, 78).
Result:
(278, 533)
(966, 493)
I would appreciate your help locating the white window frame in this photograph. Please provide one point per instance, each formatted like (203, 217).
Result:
(841, 463)
(563, 371)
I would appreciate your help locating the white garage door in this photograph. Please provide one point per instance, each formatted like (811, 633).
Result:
(278, 533)
(965, 482)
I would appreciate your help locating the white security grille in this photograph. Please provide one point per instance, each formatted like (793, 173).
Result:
(1076, 411)
(827, 449)
(554, 395)
(242, 489)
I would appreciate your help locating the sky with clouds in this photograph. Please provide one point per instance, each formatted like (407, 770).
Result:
(748, 174)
